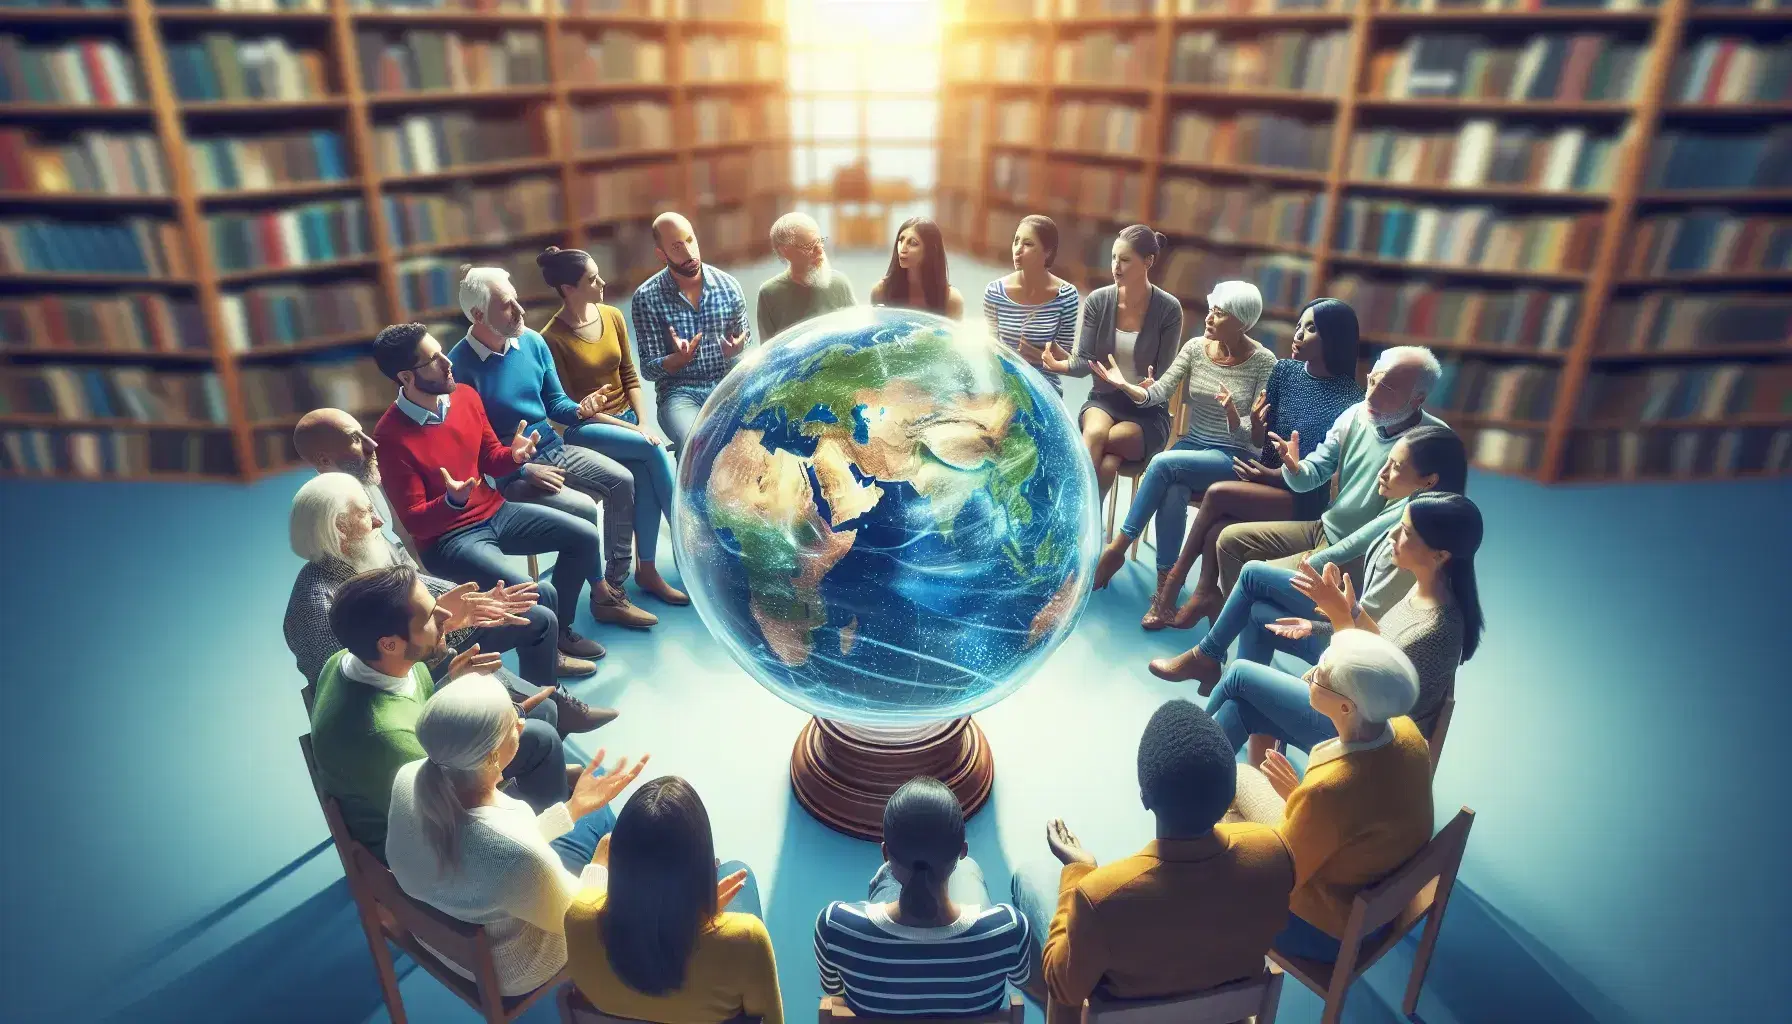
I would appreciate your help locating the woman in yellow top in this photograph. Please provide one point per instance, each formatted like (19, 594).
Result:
(591, 353)
(656, 946)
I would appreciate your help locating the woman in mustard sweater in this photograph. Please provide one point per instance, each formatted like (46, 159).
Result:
(657, 946)
(589, 341)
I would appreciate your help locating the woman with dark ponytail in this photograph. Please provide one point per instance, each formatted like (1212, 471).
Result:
(927, 942)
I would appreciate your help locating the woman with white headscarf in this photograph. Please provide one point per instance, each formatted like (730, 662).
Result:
(458, 844)
(1225, 370)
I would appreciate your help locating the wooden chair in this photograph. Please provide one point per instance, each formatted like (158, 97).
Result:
(835, 1011)
(1253, 999)
(389, 915)
(575, 1009)
(1418, 891)
(1440, 730)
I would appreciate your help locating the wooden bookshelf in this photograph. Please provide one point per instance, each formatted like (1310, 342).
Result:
(988, 64)
(231, 443)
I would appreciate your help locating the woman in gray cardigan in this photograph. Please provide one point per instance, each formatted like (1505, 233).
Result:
(1138, 326)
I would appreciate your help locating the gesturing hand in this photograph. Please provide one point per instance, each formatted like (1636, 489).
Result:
(597, 788)
(1053, 359)
(594, 403)
(459, 490)
(522, 446)
(474, 660)
(1260, 411)
(1289, 450)
(499, 606)
(1111, 373)
(1331, 592)
(457, 607)
(1280, 774)
(529, 703)
(1291, 628)
(1253, 472)
(1065, 845)
(732, 345)
(1149, 379)
(1033, 354)
(683, 350)
(1225, 399)
(546, 478)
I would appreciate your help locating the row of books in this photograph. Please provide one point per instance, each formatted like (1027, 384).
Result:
(100, 162)
(427, 143)
(733, 232)
(626, 191)
(282, 392)
(624, 252)
(722, 119)
(246, 6)
(1099, 127)
(275, 315)
(735, 177)
(133, 393)
(259, 162)
(106, 453)
(710, 58)
(623, 126)
(1250, 213)
(430, 283)
(475, 213)
(1316, 62)
(615, 55)
(1011, 174)
(1013, 60)
(1712, 392)
(1680, 453)
(133, 245)
(1509, 451)
(1681, 322)
(131, 322)
(1732, 69)
(313, 233)
(1016, 122)
(1715, 159)
(1588, 66)
(1711, 241)
(1505, 391)
(79, 72)
(1484, 152)
(1285, 281)
(1261, 140)
(220, 66)
(1521, 319)
(1107, 57)
(1467, 236)
(417, 59)
(1095, 191)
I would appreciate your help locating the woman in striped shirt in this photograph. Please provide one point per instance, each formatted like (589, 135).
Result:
(928, 942)
(1032, 307)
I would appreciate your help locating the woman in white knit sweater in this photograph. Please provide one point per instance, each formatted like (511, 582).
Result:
(456, 843)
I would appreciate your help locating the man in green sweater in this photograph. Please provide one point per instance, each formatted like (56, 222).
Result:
(370, 694)
(809, 286)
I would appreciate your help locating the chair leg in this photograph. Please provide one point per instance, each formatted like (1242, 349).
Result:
(1421, 962)
(1131, 497)
(534, 568)
(382, 963)
(1272, 999)
(1113, 506)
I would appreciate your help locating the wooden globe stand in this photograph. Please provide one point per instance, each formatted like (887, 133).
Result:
(843, 775)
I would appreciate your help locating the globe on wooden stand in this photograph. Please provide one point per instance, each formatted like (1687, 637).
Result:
(844, 774)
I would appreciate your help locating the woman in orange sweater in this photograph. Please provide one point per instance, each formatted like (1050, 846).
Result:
(589, 341)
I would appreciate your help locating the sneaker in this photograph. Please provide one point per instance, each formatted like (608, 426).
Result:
(578, 716)
(568, 667)
(571, 643)
(611, 606)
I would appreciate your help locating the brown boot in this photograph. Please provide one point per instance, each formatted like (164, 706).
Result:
(1163, 602)
(1190, 664)
(1200, 605)
(648, 578)
(1112, 558)
(610, 605)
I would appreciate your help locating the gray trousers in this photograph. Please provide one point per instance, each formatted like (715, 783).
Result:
(592, 478)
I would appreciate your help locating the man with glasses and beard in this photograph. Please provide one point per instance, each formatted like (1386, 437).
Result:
(809, 286)
(690, 323)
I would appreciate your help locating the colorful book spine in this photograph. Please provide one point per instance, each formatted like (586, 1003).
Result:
(421, 59)
(1721, 160)
(271, 316)
(1725, 70)
(1708, 241)
(730, 58)
(1251, 139)
(79, 72)
(627, 125)
(259, 163)
(613, 56)
(490, 213)
(428, 143)
(313, 233)
(1313, 62)
(1109, 58)
(1098, 127)
(133, 393)
(1583, 67)
(1484, 152)
(132, 322)
(1248, 214)
(113, 453)
(97, 162)
(135, 246)
(1422, 312)
(1683, 322)
(217, 66)
(285, 392)
(626, 191)
(1479, 237)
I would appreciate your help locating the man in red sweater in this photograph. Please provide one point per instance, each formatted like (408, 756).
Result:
(436, 448)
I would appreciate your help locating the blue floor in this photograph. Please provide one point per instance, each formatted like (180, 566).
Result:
(164, 858)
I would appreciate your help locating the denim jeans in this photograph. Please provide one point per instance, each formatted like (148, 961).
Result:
(1253, 698)
(966, 887)
(1259, 583)
(1034, 891)
(1170, 480)
(1303, 939)
(577, 847)
(476, 553)
(592, 479)
(649, 464)
(747, 900)
(678, 406)
(539, 767)
(535, 644)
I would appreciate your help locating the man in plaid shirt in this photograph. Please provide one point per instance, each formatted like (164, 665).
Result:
(690, 323)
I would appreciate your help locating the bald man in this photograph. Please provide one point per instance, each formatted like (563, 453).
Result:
(690, 324)
(332, 441)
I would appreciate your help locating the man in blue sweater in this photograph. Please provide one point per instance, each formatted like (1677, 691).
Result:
(513, 371)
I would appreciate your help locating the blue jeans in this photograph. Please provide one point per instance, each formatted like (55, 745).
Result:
(678, 406)
(476, 553)
(1170, 480)
(576, 848)
(1253, 698)
(651, 466)
(966, 887)
(592, 479)
(1302, 939)
(747, 900)
(535, 644)
(1034, 890)
(539, 767)
(1241, 618)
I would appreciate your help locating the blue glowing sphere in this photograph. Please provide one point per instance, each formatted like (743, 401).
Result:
(886, 518)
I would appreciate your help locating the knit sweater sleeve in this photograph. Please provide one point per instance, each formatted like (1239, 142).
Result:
(757, 967)
(1066, 332)
(494, 456)
(560, 407)
(1160, 392)
(1311, 828)
(1169, 332)
(1357, 544)
(1085, 339)
(402, 479)
(625, 368)
(537, 888)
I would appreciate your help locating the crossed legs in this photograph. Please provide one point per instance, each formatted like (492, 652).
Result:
(1111, 443)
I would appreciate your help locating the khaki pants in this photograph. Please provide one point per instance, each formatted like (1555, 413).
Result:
(1283, 544)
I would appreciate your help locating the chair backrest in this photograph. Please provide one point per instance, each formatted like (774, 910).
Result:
(1178, 416)
(1235, 1001)
(1440, 730)
(1418, 886)
(835, 1011)
(576, 1009)
(308, 694)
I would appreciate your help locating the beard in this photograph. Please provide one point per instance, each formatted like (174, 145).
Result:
(689, 268)
(370, 552)
(815, 276)
(435, 387)
(1386, 420)
(365, 470)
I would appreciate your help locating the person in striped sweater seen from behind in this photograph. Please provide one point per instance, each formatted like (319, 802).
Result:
(928, 941)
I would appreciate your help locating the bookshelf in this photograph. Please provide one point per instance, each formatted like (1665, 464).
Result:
(212, 207)
(1586, 212)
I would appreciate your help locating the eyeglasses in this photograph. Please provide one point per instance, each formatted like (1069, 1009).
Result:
(439, 359)
(1311, 678)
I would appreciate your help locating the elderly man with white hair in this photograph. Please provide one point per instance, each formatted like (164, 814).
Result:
(335, 528)
(809, 286)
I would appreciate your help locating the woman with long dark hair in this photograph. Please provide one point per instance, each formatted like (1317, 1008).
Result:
(1033, 311)
(668, 941)
(928, 942)
(916, 277)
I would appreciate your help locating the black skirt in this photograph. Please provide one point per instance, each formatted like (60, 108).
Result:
(1153, 420)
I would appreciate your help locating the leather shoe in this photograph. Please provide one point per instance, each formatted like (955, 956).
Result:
(579, 646)
(568, 667)
(611, 606)
(578, 716)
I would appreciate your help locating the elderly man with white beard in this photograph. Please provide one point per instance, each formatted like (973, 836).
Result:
(336, 529)
(809, 286)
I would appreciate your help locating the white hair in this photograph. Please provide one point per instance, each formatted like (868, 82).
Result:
(785, 228)
(1239, 298)
(317, 510)
(476, 284)
(461, 727)
(1372, 673)
(1430, 370)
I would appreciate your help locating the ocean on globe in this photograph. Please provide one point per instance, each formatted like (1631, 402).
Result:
(886, 518)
